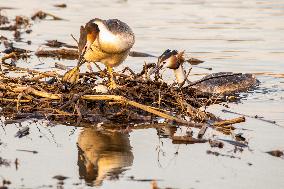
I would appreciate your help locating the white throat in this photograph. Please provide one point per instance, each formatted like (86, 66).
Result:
(179, 74)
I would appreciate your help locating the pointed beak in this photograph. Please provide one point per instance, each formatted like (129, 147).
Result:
(81, 59)
(161, 61)
(170, 61)
(156, 69)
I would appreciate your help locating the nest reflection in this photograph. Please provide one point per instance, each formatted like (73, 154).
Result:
(103, 155)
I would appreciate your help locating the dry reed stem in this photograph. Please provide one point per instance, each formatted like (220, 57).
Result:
(135, 104)
(229, 122)
(13, 100)
(29, 90)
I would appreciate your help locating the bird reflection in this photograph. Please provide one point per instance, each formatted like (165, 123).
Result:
(103, 155)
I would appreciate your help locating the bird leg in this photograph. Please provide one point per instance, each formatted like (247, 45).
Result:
(112, 84)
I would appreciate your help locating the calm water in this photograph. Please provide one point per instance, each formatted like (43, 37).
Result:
(230, 35)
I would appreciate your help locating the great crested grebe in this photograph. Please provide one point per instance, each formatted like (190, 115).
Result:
(105, 41)
(226, 83)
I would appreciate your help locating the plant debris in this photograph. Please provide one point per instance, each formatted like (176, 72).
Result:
(20, 22)
(276, 153)
(216, 143)
(23, 132)
(236, 143)
(239, 137)
(4, 162)
(64, 53)
(14, 54)
(210, 152)
(194, 61)
(44, 15)
(140, 54)
(60, 177)
(202, 131)
(250, 116)
(3, 19)
(4, 183)
(135, 96)
(132, 178)
(57, 44)
(187, 140)
(62, 5)
(31, 151)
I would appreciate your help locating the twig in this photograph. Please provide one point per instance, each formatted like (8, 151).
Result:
(186, 78)
(75, 39)
(255, 117)
(59, 53)
(229, 122)
(60, 66)
(42, 15)
(128, 69)
(135, 104)
(13, 100)
(19, 89)
(196, 113)
(75, 98)
(186, 140)
(31, 151)
(202, 131)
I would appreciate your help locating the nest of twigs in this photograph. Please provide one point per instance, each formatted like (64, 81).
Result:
(137, 100)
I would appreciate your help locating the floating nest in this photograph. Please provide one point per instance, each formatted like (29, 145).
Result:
(141, 98)
(138, 99)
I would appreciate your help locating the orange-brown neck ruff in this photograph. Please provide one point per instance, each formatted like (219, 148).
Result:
(91, 37)
(92, 31)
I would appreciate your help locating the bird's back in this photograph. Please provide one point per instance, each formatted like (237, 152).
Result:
(112, 43)
(118, 27)
(114, 36)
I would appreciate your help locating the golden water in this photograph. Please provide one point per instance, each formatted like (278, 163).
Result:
(230, 35)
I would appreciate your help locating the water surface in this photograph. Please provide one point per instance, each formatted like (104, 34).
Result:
(230, 35)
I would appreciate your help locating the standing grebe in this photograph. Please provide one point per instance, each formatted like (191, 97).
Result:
(105, 41)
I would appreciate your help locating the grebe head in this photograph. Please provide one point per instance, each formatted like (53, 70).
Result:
(92, 31)
(172, 60)
(175, 60)
(109, 36)
(88, 35)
